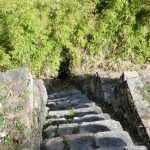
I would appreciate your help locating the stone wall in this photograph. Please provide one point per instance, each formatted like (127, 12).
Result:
(98, 87)
(123, 96)
(131, 105)
(22, 110)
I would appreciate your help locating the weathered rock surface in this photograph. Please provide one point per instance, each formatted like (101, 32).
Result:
(82, 128)
(130, 103)
(91, 118)
(81, 112)
(22, 113)
(128, 98)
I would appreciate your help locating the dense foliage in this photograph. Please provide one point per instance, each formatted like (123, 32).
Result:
(34, 33)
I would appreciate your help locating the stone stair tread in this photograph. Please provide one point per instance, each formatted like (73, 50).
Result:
(86, 118)
(64, 93)
(85, 127)
(69, 100)
(100, 126)
(69, 104)
(91, 118)
(71, 97)
(115, 138)
(81, 112)
(57, 121)
(124, 148)
(49, 132)
(88, 141)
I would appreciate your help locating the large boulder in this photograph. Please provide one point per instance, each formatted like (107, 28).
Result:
(22, 110)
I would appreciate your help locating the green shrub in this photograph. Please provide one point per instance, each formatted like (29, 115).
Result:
(34, 33)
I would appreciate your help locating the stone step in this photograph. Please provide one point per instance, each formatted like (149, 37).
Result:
(74, 113)
(67, 102)
(85, 127)
(89, 141)
(86, 118)
(124, 148)
(64, 93)
(70, 104)
(72, 97)
(91, 118)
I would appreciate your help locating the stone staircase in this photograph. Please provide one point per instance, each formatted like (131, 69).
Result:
(76, 123)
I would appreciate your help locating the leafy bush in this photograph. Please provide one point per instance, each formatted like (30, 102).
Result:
(34, 33)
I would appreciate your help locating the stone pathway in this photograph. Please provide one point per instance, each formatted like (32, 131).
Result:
(76, 123)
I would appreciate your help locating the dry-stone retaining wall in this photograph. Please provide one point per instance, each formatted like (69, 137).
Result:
(98, 87)
(22, 110)
(130, 104)
(125, 97)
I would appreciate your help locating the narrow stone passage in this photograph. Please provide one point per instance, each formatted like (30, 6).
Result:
(76, 123)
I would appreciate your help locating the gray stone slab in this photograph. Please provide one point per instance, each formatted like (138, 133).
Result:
(132, 84)
(81, 111)
(67, 129)
(62, 105)
(141, 104)
(80, 141)
(143, 111)
(72, 97)
(50, 104)
(113, 139)
(86, 118)
(64, 93)
(87, 142)
(55, 144)
(145, 77)
(91, 118)
(100, 126)
(50, 132)
(85, 105)
(57, 121)
(124, 148)
(130, 75)
(148, 131)
(85, 127)
(136, 96)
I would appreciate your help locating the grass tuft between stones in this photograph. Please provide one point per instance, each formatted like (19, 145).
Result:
(65, 141)
(71, 114)
(76, 129)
